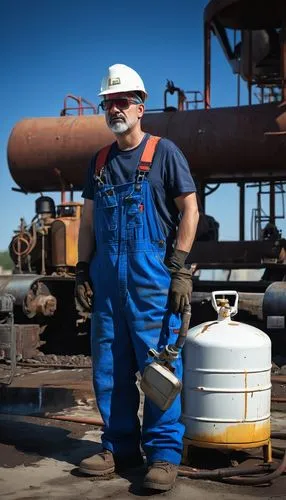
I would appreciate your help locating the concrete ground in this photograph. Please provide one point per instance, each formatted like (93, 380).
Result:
(39, 456)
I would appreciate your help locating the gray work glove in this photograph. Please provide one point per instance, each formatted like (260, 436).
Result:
(181, 282)
(83, 292)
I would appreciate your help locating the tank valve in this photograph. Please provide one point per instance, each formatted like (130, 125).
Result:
(221, 304)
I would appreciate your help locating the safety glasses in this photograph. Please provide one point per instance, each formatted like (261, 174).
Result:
(120, 103)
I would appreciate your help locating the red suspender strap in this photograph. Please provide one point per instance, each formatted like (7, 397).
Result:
(148, 153)
(145, 160)
(101, 158)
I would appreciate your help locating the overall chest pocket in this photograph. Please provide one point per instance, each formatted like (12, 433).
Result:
(134, 210)
(107, 210)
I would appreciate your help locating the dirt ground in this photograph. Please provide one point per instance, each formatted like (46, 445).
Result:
(39, 456)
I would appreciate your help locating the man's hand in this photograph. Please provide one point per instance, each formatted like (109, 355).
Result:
(181, 282)
(83, 291)
(180, 289)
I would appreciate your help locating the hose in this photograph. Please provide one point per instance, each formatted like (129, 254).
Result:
(232, 475)
(186, 316)
(220, 474)
(260, 480)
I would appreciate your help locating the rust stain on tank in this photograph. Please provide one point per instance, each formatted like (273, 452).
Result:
(205, 328)
(243, 435)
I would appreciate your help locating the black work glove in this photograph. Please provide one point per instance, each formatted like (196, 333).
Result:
(83, 291)
(181, 282)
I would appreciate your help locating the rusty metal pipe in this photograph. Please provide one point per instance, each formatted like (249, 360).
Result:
(56, 147)
(281, 379)
(278, 400)
(220, 144)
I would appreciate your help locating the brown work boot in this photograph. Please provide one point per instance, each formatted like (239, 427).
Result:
(161, 476)
(100, 464)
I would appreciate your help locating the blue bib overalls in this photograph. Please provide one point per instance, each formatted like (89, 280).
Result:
(131, 284)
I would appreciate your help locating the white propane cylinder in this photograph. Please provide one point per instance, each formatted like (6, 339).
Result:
(226, 394)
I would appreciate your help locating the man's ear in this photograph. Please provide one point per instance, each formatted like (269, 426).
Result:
(140, 109)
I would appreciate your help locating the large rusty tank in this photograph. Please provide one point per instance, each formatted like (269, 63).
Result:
(246, 142)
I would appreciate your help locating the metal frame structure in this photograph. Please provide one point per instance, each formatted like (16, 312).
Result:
(241, 16)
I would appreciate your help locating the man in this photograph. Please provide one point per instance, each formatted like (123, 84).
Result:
(135, 191)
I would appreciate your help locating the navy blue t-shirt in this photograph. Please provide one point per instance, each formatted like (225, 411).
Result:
(169, 177)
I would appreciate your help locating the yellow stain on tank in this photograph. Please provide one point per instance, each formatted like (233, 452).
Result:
(243, 435)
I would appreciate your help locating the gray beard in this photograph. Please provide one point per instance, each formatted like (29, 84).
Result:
(119, 127)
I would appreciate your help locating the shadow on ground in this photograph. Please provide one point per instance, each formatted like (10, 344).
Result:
(35, 441)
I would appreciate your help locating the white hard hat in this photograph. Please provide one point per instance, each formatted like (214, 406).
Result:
(121, 78)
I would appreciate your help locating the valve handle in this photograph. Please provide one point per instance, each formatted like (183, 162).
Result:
(234, 308)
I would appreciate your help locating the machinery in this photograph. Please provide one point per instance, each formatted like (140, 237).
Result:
(49, 244)
(242, 144)
(44, 255)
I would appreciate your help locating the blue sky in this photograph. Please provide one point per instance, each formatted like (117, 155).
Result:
(50, 49)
